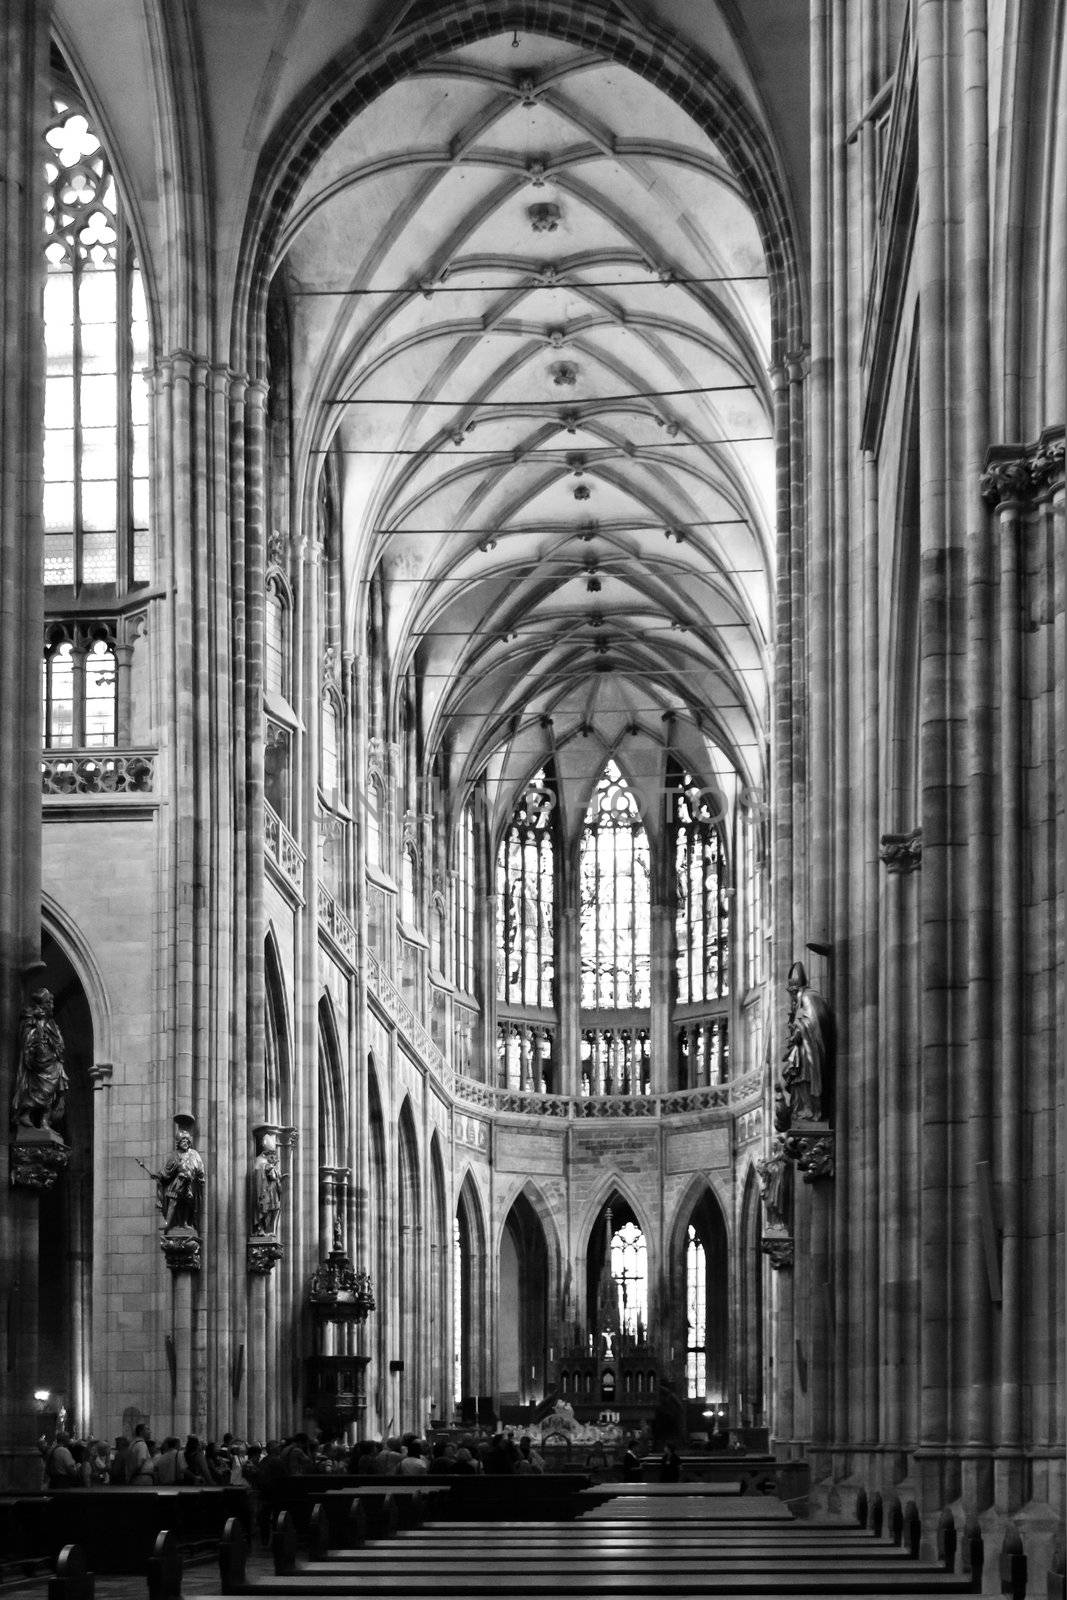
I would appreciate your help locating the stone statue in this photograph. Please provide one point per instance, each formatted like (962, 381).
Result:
(180, 1187)
(40, 1096)
(771, 1172)
(267, 1183)
(805, 1073)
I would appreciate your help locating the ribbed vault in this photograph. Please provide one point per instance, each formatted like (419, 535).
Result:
(531, 316)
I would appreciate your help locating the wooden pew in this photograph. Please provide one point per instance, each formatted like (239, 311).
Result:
(117, 1526)
(662, 1556)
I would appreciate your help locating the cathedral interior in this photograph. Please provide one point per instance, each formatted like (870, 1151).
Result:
(532, 853)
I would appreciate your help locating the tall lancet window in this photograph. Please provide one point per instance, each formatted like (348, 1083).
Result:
(702, 906)
(525, 885)
(696, 1311)
(96, 347)
(466, 891)
(629, 1268)
(615, 899)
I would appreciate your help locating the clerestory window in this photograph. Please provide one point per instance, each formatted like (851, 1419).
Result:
(702, 904)
(96, 498)
(614, 868)
(526, 889)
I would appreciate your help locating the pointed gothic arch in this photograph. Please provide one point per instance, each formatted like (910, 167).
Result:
(616, 1203)
(411, 1284)
(438, 1282)
(277, 1050)
(470, 1296)
(524, 1289)
(750, 1326)
(701, 1295)
(378, 1191)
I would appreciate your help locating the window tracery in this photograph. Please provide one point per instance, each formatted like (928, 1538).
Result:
(465, 889)
(96, 494)
(629, 1269)
(696, 1303)
(79, 687)
(702, 903)
(526, 890)
(615, 887)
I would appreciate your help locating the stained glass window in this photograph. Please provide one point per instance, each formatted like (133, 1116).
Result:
(702, 906)
(458, 1269)
(696, 1301)
(752, 836)
(276, 654)
(79, 688)
(466, 884)
(615, 899)
(330, 753)
(409, 886)
(629, 1268)
(96, 347)
(525, 885)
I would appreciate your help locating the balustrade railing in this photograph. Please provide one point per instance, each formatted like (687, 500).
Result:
(394, 1004)
(337, 925)
(98, 772)
(282, 848)
(726, 1097)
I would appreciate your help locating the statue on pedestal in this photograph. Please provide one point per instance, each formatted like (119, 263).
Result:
(264, 1245)
(267, 1182)
(40, 1097)
(806, 1068)
(39, 1101)
(180, 1200)
(772, 1173)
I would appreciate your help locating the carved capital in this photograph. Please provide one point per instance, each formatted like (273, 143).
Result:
(902, 852)
(181, 1249)
(1018, 474)
(264, 1252)
(100, 1074)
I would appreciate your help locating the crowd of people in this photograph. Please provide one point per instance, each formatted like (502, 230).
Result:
(141, 1461)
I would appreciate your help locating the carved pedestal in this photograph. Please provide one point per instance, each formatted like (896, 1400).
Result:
(777, 1246)
(181, 1249)
(264, 1252)
(811, 1146)
(38, 1156)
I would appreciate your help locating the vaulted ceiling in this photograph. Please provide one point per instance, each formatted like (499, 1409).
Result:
(531, 315)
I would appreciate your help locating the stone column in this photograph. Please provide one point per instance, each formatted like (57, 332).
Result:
(24, 31)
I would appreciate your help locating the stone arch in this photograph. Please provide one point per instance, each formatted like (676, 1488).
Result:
(57, 922)
(379, 1261)
(750, 1325)
(472, 1268)
(702, 1210)
(524, 1295)
(592, 1243)
(439, 1281)
(410, 1273)
(277, 1056)
(65, 1212)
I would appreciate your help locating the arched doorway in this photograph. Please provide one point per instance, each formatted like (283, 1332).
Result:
(65, 1277)
(522, 1314)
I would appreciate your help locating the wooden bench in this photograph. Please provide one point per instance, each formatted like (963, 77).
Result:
(117, 1526)
(607, 1559)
